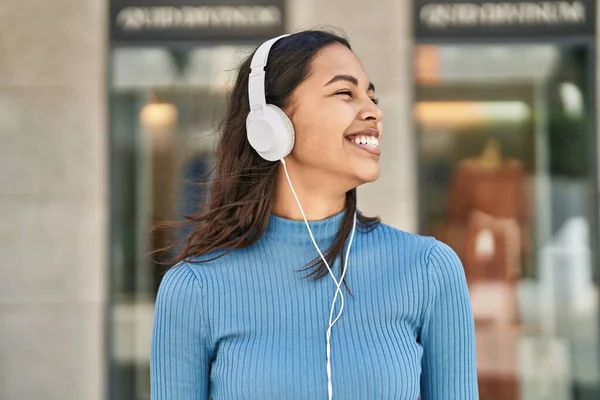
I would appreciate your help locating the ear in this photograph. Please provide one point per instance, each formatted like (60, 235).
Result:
(291, 108)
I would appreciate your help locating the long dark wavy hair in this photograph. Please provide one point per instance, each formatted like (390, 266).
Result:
(240, 198)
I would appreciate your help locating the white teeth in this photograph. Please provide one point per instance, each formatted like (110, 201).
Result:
(371, 141)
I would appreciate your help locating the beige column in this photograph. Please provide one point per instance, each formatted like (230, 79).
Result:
(380, 34)
(53, 199)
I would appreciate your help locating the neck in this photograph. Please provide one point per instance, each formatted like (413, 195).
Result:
(319, 200)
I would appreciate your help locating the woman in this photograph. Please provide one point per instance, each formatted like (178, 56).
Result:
(237, 317)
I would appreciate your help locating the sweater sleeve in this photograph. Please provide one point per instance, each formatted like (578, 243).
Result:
(448, 333)
(180, 352)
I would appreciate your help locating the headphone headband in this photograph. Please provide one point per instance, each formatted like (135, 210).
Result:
(269, 130)
(256, 82)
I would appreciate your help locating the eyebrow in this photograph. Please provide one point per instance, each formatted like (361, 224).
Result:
(349, 78)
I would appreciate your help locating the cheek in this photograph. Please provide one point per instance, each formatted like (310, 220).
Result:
(311, 140)
(380, 127)
(321, 130)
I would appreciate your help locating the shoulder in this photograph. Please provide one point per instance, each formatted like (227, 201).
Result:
(426, 252)
(201, 273)
(180, 300)
(192, 278)
(180, 304)
(442, 259)
(405, 244)
(446, 272)
(179, 281)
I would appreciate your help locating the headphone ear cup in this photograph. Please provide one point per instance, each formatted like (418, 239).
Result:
(270, 134)
(287, 130)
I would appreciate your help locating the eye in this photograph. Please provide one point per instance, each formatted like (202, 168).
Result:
(346, 92)
(349, 93)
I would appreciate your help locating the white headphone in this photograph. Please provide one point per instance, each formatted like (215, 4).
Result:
(271, 133)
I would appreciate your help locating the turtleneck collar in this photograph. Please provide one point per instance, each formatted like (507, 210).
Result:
(294, 231)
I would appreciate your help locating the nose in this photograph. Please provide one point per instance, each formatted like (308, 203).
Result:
(371, 112)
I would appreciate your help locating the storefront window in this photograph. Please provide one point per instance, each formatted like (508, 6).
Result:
(165, 108)
(506, 156)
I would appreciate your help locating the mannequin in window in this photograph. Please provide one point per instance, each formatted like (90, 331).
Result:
(487, 206)
(488, 211)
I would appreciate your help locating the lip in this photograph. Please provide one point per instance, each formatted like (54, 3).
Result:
(364, 132)
(372, 150)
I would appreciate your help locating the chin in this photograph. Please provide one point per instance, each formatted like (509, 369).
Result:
(369, 173)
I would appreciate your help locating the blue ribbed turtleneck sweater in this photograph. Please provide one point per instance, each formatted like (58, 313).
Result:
(249, 326)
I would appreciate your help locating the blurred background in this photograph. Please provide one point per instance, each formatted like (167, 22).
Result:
(109, 110)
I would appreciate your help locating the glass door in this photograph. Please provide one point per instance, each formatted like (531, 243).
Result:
(507, 178)
(165, 108)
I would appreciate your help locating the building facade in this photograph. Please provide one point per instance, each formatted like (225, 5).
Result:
(54, 199)
(490, 145)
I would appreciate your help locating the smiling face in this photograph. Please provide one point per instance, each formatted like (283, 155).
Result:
(336, 119)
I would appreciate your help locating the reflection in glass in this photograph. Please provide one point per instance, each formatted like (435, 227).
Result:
(507, 181)
(165, 108)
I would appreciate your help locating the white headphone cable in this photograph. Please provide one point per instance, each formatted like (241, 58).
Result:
(338, 283)
(338, 291)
